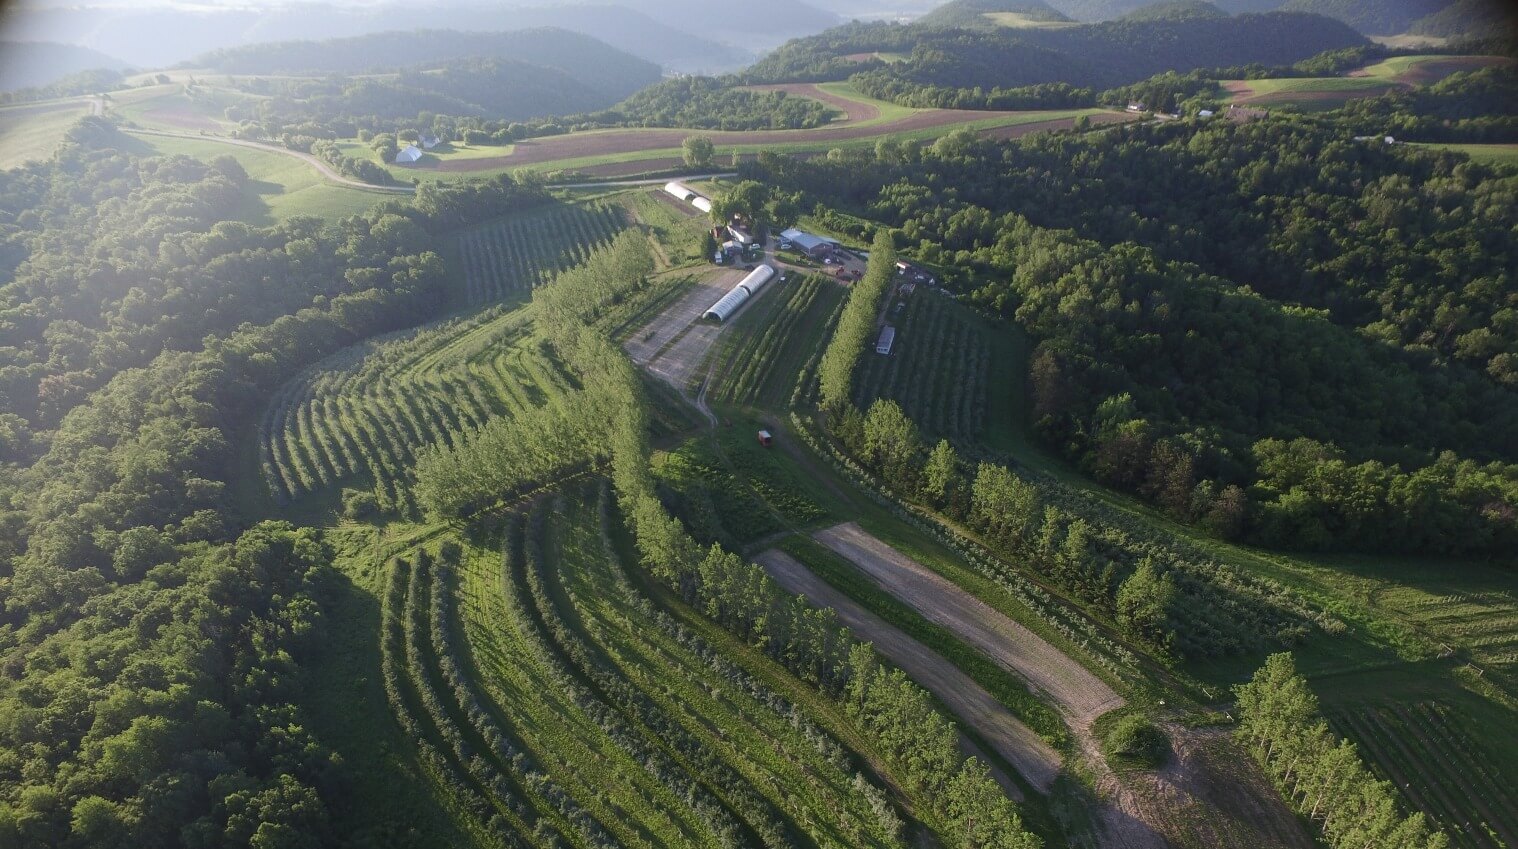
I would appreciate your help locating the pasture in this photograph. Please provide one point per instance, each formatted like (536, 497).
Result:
(281, 186)
(32, 131)
(624, 152)
(1318, 93)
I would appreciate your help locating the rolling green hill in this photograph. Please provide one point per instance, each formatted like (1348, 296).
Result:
(1096, 55)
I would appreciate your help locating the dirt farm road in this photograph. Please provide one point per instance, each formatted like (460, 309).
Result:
(1034, 759)
(1079, 695)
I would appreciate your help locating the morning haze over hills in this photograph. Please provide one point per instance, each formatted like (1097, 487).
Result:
(993, 424)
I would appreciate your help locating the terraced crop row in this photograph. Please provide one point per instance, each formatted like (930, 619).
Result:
(938, 370)
(366, 411)
(1422, 750)
(769, 348)
(781, 780)
(513, 255)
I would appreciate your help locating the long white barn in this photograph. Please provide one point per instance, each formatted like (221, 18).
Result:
(748, 287)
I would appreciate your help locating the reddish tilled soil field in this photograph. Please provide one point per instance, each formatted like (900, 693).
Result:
(588, 145)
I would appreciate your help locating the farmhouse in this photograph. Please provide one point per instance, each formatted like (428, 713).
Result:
(409, 154)
(887, 339)
(429, 141)
(813, 246)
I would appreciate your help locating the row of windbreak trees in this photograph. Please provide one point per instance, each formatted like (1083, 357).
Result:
(921, 744)
(1173, 602)
(1320, 774)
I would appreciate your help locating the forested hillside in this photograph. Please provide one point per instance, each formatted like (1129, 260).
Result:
(586, 60)
(500, 89)
(1269, 386)
(1097, 56)
(1372, 17)
(40, 64)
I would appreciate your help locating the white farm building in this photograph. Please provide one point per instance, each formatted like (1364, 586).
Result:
(887, 339)
(686, 194)
(748, 287)
(409, 154)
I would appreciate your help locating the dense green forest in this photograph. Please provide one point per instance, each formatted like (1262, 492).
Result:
(160, 644)
(1372, 17)
(1097, 55)
(1248, 328)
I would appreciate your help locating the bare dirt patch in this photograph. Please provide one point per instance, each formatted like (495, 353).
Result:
(1027, 752)
(853, 110)
(1209, 794)
(1080, 695)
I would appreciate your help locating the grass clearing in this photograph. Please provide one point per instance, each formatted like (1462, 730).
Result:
(1023, 20)
(1490, 154)
(280, 186)
(33, 131)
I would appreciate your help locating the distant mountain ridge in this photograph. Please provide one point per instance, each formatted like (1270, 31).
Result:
(1103, 55)
(1372, 17)
(29, 64)
(588, 61)
(680, 35)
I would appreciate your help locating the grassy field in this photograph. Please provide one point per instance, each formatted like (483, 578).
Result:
(1023, 20)
(1319, 93)
(34, 131)
(1496, 154)
(778, 141)
(281, 186)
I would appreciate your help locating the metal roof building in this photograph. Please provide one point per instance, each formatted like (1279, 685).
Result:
(748, 287)
(410, 153)
(806, 241)
(887, 339)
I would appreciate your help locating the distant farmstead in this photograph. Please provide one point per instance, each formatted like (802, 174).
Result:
(409, 154)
